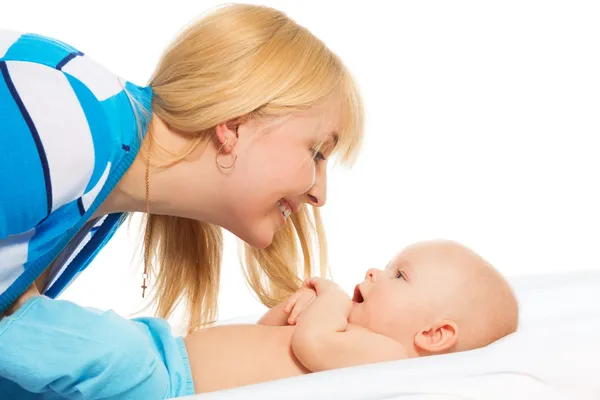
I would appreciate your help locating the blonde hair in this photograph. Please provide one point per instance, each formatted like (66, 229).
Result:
(243, 60)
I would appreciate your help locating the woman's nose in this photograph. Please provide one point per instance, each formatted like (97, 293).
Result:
(317, 195)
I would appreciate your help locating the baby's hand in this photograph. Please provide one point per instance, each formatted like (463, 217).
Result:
(321, 285)
(331, 290)
(298, 302)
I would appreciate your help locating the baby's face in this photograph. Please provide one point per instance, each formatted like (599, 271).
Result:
(432, 293)
(404, 297)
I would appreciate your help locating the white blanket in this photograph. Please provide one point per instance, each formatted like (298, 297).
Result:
(555, 354)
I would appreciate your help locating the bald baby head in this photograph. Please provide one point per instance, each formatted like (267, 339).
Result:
(466, 290)
(437, 297)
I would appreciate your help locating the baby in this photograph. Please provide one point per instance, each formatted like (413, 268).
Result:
(435, 297)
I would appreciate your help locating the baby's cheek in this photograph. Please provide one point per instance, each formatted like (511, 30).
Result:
(379, 319)
(393, 318)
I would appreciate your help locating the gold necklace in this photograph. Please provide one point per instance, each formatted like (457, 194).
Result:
(148, 235)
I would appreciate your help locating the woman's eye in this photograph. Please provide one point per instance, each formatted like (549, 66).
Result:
(317, 155)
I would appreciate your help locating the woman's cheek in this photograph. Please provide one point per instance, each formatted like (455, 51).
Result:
(301, 178)
(309, 177)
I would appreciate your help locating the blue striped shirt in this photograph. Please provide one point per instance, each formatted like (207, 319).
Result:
(68, 133)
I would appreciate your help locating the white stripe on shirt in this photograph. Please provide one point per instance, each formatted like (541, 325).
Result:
(98, 79)
(90, 196)
(61, 125)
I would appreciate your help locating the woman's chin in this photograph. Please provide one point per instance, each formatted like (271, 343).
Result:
(259, 234)
(260, 243)
(260, 239)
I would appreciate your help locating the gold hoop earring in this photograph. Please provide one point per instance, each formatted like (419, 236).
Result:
(219, 152)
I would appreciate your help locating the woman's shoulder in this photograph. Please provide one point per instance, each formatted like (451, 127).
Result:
(67, 94)
(35, 48)
(49, 57)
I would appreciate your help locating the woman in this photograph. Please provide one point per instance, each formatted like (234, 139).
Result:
(233, 131)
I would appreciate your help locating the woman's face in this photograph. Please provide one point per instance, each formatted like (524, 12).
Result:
(281, 165)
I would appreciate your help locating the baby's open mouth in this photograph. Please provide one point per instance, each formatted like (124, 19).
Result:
(357, 298)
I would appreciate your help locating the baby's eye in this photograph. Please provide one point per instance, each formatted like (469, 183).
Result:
(400, 275)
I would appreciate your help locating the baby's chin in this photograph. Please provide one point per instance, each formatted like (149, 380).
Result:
(355, 317)
(360, 316)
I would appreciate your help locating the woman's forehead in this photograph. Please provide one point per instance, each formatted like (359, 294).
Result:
(328, 117)
(324, 125)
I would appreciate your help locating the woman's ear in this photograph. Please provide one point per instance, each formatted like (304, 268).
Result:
(438, 338)
(227, 135)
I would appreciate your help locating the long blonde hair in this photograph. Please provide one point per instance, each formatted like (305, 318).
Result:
(242, 60)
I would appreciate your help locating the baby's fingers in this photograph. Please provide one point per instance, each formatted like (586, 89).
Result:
(309, 282)
(291, 302)
(316, 284)
(295, 313)
(300, 306)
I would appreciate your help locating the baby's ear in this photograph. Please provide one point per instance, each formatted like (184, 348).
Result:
(437, 338)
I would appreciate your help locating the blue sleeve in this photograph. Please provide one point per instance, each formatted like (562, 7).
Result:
(59, 348)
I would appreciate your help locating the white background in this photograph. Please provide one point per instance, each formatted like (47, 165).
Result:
(482, 126)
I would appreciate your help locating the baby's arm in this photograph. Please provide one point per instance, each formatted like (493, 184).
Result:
(324, 340)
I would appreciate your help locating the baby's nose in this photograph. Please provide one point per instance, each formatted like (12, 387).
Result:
(372, 274)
